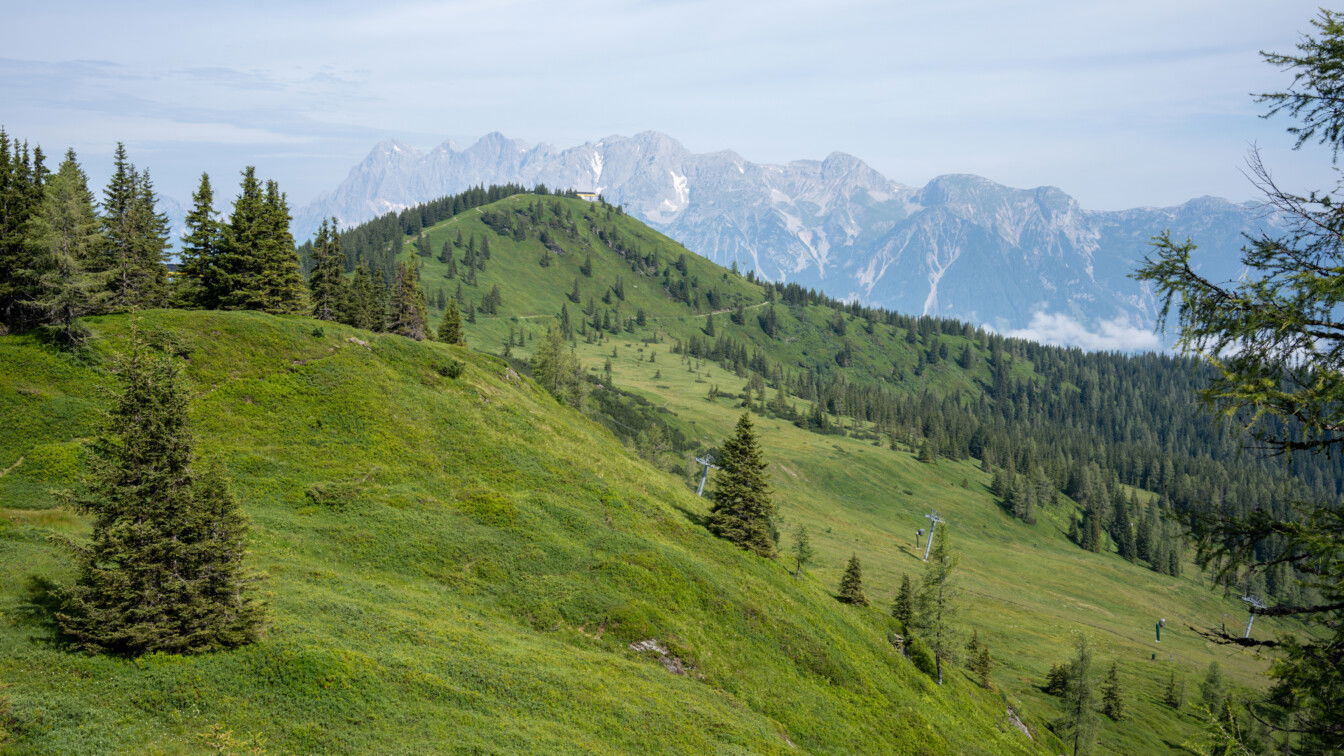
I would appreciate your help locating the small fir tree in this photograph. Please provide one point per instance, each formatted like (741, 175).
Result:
(557, 369)
(450, 328)
(163, 570)
(406, 307)
(1112, 705)
(1212, 689)
(903, 607)
(802, 550)
(1078, 726)
(981, 664)
(1174, 695)
(935, 603)
(1057, 679)
(851, 583)
(742, 509)
(365, 300)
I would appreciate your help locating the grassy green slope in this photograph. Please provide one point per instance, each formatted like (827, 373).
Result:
(1025, 588)
(477, 592)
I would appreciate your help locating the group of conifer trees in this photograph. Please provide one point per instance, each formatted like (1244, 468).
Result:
(62, 254)
(65, 254)
(246, 262)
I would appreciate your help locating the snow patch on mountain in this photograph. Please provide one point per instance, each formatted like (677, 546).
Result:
(961, 246)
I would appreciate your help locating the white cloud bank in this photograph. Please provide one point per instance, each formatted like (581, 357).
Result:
(1059, 329)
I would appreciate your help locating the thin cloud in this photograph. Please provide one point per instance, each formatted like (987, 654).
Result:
(1115, 335)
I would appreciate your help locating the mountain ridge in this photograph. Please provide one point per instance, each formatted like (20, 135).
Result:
(960, 246)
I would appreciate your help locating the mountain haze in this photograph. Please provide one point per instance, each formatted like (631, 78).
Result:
(961, 246)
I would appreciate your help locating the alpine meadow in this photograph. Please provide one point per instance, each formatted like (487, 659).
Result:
(514, 465)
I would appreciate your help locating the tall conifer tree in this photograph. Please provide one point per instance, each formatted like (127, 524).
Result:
(1078, 726)
(258, 265)
(286, 291)
(201, 246)
(66, 231)
(240, 257)
(327, 281)
(742, 509)
(21, 179)
(935, 603)
(137, 238)
(163, 569)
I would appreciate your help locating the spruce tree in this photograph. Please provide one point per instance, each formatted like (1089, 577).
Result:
(326, 284)
(802, 550)
(450, 329)
(1212, 689)
(984, 664)
(1112, 705)
(163, 568)
(66, 233)
(851, 583)
(1078, 726)
(903, 607)
(1174, 695)
(240, 270)
(21, 194)
(258, 265)
(365, 300)
(557, 369)
(406, 307)
(137, 239)
(935, 603)
(742, 509)
(200, 248)
(285, 289)
(153, 234)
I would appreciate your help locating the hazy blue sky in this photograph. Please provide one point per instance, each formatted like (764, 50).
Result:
(1119, 103)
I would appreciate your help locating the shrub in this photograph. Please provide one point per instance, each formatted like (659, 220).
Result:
(922, 656)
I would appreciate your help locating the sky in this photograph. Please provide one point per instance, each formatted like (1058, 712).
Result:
(1120, 104)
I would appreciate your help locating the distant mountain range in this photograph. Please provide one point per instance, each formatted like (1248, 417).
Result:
(1025, 261)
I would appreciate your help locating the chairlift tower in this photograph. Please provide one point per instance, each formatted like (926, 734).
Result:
(708, 463)
(1253, 604)
(934, 519)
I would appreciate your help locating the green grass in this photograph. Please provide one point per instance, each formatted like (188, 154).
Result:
(488, 556)
(1026, 589)
(476, 592)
